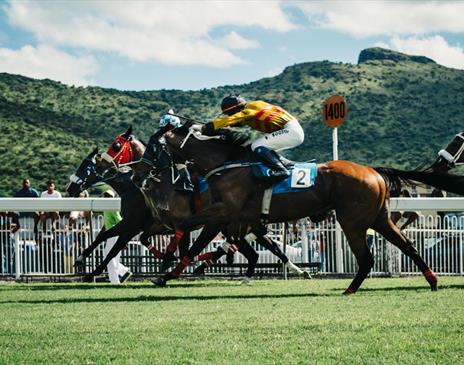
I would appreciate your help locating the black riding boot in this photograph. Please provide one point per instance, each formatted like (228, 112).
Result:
(272, 160)
(185, 183)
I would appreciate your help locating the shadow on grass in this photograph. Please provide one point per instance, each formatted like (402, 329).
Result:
(165, 298)
(191, 284)
(406, 288)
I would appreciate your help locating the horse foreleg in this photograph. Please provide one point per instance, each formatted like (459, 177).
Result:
(169, 256)
(118, 246)
(273, 246)
(209, 259)
(206, 236)
(250, 254)
(144, 240)
(184, 244)
(116, 230)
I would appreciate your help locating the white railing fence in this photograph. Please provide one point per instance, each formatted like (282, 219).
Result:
(47, 251)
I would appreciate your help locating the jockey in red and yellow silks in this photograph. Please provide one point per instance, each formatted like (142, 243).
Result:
(282, 129)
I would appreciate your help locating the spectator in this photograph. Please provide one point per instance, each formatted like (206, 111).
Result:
(75, 215)
(50, 193)
(117, 272)
(77, 233)
(26, 192)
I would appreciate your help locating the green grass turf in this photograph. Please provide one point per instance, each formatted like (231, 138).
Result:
(389, 321)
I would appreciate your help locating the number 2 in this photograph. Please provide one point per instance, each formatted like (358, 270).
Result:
(301, 178)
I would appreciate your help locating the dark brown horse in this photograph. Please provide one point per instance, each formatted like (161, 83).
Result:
(172, 207)
(449, 157)
(358, 194)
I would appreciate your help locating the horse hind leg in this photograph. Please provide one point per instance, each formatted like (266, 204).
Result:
(358, 243)
(392, 233)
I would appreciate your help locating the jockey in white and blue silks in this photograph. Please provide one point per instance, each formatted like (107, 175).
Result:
(175, 122)
(170, 119)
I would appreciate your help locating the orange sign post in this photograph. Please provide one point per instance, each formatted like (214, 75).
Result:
(334, 113)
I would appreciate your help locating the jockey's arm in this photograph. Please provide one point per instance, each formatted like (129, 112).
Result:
(238, 118)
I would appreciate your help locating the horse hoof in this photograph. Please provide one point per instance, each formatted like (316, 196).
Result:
(167, 262)
(245, 281)
(306, 275)
(87, 278)
(431, 278)
(348, 292)
(159, 282)
(199, 271)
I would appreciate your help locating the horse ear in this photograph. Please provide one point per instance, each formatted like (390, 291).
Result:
(128, 132)
(94, 152)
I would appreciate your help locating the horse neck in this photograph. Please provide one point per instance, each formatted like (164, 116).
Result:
(121, 183)
(137, 149)
(206, 155)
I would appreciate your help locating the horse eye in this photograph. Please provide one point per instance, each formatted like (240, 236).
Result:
(116, 146)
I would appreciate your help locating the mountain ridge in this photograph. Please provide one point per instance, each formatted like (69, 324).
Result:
(402, 110)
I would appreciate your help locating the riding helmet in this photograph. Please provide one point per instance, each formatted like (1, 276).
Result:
(232, 104)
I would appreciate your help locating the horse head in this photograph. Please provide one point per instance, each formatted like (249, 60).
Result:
(449, 157)
(124, 149)
(205, 152)
(85, 175)
(453, 153)
(155, 160)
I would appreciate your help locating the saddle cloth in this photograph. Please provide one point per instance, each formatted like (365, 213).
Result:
(302, 177)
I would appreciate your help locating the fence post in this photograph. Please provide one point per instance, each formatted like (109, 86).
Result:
(461, 255)
(17, 252)
(284, 267)
(338, 248)
(304, 240)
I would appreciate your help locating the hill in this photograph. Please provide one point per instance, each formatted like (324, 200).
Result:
(402, 110)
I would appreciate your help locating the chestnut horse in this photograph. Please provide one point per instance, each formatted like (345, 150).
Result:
(358, 194)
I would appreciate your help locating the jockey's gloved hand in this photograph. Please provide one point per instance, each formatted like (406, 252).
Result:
(208, 129)
(170, 119)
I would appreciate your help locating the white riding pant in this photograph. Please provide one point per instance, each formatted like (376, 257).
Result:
(291, 135)
(115, 268)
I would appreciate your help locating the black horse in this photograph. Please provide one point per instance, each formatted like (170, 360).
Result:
(159, 187)
(136, 215)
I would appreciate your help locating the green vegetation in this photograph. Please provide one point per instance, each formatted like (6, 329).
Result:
(390, 321)
(402, 110)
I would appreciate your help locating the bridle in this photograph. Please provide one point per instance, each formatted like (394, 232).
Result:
(122, 153)
(158, 158)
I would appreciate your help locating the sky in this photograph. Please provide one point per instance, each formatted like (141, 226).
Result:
(150, 45)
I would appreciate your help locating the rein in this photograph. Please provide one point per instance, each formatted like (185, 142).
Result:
(195, 131)
(229, 167)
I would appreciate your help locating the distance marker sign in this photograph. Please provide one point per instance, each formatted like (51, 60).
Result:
(334, 111)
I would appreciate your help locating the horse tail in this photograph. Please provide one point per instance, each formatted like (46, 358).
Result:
(443, 181)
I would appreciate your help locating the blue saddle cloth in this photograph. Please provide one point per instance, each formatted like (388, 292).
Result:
(202, 184)
(302, 177)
